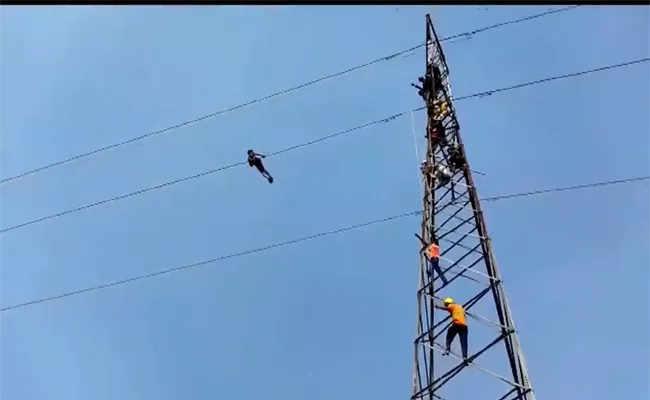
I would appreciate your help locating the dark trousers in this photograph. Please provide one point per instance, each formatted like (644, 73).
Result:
(260, 167)
(461, 331)
(435, 266)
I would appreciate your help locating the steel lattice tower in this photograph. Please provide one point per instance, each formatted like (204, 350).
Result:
(452, 215)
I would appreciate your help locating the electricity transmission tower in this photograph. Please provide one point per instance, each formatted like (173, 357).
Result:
(452, 217)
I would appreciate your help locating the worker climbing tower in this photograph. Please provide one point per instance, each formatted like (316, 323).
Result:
(457, 262)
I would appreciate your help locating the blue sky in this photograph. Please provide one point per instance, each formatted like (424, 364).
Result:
(333, 318)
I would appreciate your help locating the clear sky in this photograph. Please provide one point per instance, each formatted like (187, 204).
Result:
(332, 318)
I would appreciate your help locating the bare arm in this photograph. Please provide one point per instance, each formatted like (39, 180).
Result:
(437, 303)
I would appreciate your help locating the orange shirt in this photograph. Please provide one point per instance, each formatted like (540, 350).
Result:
(457, 314)
(433, 251)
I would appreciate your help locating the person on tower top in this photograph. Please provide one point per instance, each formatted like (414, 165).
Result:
(437, 78)
(458, 325)
(427, 171)
(443, 175)
(440, 109)
(255, 160)
(438, 133)
(433, 77)
(425, 89)
(425, 167)
(456, 158)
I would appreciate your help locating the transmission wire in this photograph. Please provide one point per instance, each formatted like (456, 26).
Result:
(311, 142)
(277, 94)
(304, 239)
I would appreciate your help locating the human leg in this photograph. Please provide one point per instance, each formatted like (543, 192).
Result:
(462, 335)
(260, 167)
(451, 334)
(435, 266)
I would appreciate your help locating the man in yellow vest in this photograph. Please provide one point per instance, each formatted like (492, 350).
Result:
(458, 325)
(441, 109)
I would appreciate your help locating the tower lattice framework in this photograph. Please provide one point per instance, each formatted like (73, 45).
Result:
(452, 217)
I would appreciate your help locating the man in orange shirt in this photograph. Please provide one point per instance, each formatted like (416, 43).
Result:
(458, 325)
(432, 252)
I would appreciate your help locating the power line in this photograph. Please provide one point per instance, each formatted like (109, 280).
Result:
(567, 188)
(280, 93)
(309, 143)
(304, 239)
(554, 78)
(199, 175)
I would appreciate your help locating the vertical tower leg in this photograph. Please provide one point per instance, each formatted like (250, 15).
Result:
(452, 218)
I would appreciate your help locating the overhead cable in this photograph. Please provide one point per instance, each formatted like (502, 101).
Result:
(312, 142)
(279, 93)
(304, 239)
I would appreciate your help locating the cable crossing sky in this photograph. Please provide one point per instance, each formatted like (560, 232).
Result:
(308, 238)
(282, 92)
(319, 140)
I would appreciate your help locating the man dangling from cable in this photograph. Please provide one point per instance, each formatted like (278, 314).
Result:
(255, 160)
(458, 326)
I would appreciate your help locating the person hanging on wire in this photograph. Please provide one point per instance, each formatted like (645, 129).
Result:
(255, 160)
(458, 326)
